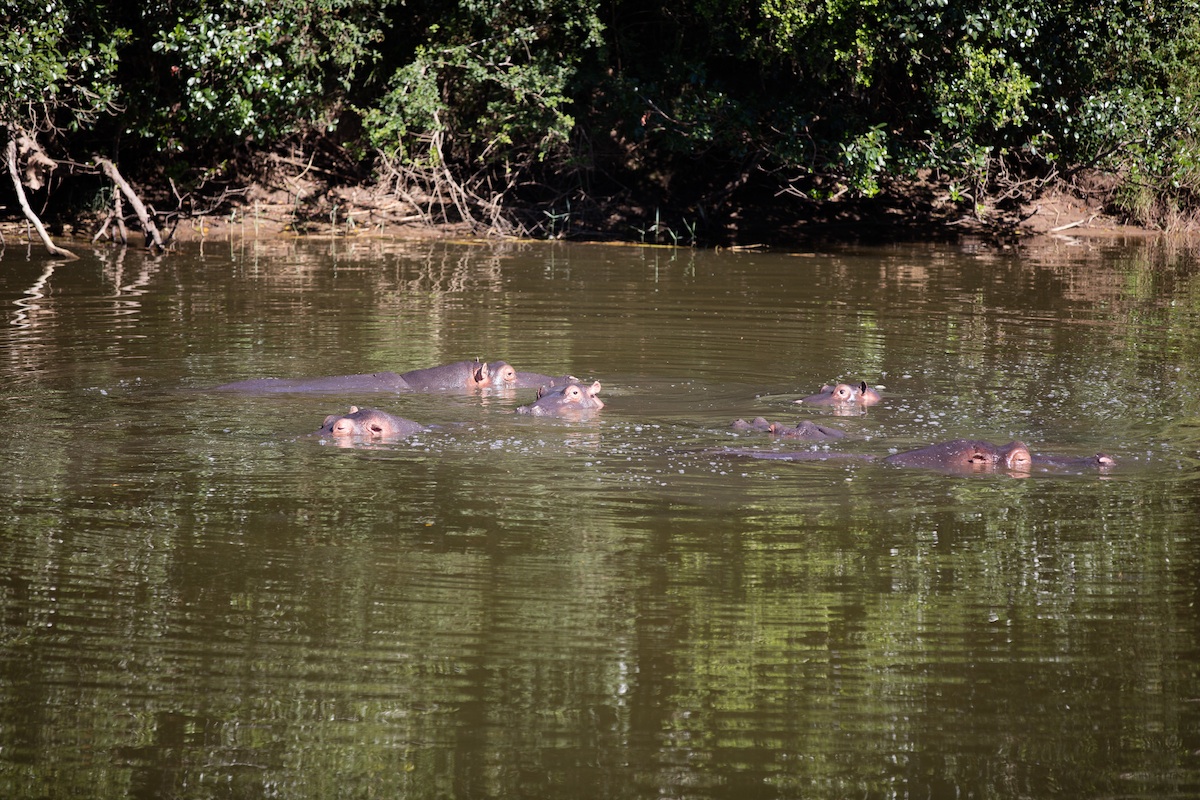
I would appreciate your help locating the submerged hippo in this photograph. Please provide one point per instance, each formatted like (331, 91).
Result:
(369, 423)
(1100, 461)
(971, 455)
(459, 376)
(967, 455)
(366, 382)
(805, 429)
(957, 456)
(571, 400)
(843, 394)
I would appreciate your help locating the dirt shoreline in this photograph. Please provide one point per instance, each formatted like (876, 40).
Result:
(1058, 215)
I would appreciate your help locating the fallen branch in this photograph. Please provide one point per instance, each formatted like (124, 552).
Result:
(153, 239)
(10, 156)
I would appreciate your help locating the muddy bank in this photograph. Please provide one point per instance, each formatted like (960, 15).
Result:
(918, 214)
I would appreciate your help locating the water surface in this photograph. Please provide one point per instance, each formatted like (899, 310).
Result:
(200, 599)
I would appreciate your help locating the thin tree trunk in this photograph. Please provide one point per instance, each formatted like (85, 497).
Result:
(10, 155)
(152, 236)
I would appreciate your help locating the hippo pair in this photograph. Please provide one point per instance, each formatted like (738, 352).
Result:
(460, 376)
(806, 429)
(569, 400)
(842, 396)
(959, 455)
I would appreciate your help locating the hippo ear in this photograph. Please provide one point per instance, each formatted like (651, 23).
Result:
(353, 410)
(542, 390)
(481, 373)
(329, 420)
(862, 387)
(594, 389)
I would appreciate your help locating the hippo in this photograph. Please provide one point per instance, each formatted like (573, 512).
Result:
(976, 456)
(469, 375)
(957, 456)
(966, 455)
(571, 400)
(369, 423)
(843, 394)
(805, 429)
(1101, 461)
(506, 377)
(799, 455)
(367, 382)
(462, 375)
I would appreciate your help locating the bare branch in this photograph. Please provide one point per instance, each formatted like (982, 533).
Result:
(10, 155)
(153, 239)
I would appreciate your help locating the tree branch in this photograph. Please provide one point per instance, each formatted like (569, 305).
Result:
(153, 239)
(10, 156)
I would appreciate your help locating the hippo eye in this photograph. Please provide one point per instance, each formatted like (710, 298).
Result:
(573, 392)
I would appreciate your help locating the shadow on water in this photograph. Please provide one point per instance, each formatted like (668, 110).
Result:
(199, 597)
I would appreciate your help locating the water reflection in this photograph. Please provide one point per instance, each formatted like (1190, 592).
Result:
(27, 305)
(197, 597)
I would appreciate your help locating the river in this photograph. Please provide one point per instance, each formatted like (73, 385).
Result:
(201, 599)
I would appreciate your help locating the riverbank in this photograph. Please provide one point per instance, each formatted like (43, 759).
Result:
(911, 214)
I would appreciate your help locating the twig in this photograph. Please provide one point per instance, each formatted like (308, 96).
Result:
(1074, 224)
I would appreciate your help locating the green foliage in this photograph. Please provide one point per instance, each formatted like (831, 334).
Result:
(491, 97)
(262, 68)
(863, 160)
(56, 65)
(685, 96)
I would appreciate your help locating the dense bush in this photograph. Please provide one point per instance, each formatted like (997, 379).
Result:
(504, 104)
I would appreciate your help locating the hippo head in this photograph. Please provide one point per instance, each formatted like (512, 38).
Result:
(843, 395)
(496, 375)
(368, 423)
(570, 400)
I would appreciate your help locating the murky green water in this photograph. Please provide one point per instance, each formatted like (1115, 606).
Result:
(200, 600)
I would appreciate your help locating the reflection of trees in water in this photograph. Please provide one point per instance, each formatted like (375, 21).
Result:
(113, 269)
(30, 349)
(28, 308)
